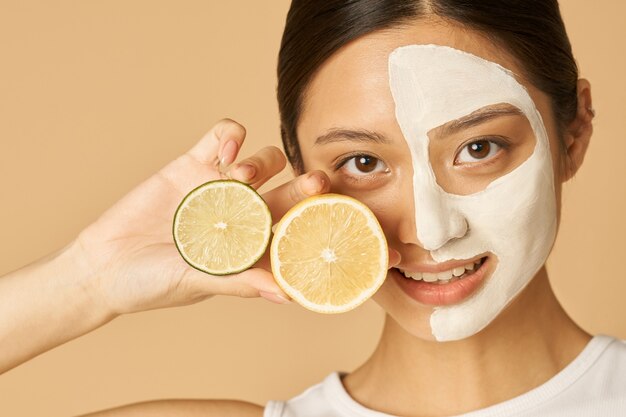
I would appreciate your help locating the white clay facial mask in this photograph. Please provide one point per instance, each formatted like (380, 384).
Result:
(513, 218)
(468, 154)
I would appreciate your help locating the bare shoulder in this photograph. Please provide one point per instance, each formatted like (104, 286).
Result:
(183, 408)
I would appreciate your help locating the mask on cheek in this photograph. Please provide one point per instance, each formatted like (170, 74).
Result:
(513, 218)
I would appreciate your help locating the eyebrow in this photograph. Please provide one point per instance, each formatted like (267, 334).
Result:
(479, 116)
(359, 135)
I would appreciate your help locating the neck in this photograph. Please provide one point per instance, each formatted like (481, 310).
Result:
(527, 344)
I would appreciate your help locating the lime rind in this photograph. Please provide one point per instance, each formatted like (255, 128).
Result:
(224, 184)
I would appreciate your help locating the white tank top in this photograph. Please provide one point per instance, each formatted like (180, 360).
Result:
(593, 384)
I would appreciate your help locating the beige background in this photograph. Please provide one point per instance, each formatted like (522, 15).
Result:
(97, 95)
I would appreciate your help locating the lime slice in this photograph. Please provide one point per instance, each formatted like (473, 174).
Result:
(329, 253)
(222, 227)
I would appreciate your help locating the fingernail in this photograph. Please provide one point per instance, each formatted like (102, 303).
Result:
(274, 298)
(246, 171)
(229, 151)
(314, 184)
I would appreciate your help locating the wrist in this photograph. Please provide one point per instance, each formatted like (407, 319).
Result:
(71, 262)
(46, 304)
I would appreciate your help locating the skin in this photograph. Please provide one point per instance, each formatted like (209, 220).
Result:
(533, 338)
(461, 175)
(126, 262)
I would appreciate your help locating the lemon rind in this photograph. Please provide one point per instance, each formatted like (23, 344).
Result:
(294, 212)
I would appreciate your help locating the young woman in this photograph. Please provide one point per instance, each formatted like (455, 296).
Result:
(456, 122)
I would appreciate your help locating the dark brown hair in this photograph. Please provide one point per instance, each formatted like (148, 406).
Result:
(532, 31)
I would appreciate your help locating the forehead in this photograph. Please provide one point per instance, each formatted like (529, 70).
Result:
(434, 84)
(352, 86)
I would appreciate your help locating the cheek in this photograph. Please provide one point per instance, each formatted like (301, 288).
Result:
(543, 105)
(556, 147)
(402, 313)
(393, 204)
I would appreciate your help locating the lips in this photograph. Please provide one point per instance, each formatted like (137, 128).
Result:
(447, 276)
(445, 287)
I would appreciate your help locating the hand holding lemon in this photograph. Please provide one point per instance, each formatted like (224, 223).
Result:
(128, 254)
(329, 253)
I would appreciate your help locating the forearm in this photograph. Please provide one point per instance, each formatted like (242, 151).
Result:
(46, 304)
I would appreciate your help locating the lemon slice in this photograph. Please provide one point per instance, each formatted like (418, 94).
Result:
(222, 227)
(329, 253)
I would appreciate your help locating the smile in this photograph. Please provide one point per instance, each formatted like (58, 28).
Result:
(447, 276)
(444, 284)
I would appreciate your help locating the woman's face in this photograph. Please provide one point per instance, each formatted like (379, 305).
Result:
(454, 154)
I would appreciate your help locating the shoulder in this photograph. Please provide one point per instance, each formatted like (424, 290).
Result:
(184, 408)
(600, 371)
(600, 388)
(611, 350)
(318, 400)
(613, 360)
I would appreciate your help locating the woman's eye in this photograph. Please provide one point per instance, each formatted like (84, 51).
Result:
(477, 151)
(364, 164)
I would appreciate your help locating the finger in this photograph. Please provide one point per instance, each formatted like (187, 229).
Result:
(394, 258)
(253, 282)
(222, 142)
(264, 282)
(284, 197)
(260, 167)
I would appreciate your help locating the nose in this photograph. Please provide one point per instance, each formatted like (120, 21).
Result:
(435, 221)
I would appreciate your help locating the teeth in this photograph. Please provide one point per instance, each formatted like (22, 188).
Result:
(444, 276)
(429, 277)
(457, 272)
(417, 276)
(441, 277)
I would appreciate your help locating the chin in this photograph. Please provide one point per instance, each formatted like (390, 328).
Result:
(413, 319)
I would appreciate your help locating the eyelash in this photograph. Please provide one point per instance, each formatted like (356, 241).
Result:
(350, 157)
(500, 141)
